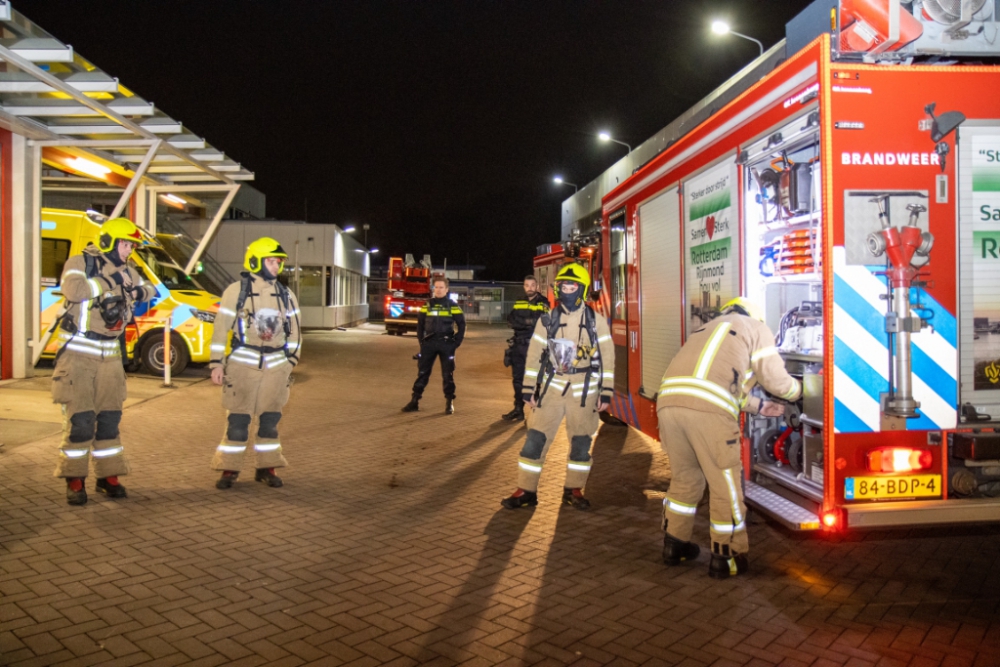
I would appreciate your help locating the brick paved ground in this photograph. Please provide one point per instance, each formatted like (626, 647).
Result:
(387, 546)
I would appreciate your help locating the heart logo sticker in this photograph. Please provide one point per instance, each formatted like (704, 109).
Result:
(710, 226)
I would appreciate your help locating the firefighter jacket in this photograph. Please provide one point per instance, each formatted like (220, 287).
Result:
(571, 355)
(719, 365)
(98, 305)
(265, 327)
(439, 319)
(524, 315)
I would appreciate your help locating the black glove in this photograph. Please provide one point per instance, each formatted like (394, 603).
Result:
(528, 396)
(604, 401)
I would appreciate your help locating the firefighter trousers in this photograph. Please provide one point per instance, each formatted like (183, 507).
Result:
(518, 358)
(582, 423)
(90, 386)
(704, 447)
(250, 392)
(430, 350)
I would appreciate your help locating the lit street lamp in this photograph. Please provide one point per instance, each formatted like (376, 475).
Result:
(722, 28)
(349, 230)
(558, 180)
(606, 136)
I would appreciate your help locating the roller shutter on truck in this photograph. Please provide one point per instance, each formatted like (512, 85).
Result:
(659, 286)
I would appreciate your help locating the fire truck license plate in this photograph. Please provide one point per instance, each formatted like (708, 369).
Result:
(877, 488)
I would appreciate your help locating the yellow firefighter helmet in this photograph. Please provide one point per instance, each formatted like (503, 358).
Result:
(261, 248)
(575, 273)
(744, 306)
(118, 229)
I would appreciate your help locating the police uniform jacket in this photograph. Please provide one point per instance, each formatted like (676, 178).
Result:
(441, 319)
(524, 315)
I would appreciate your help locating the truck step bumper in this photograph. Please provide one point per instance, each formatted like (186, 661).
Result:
(780, 509)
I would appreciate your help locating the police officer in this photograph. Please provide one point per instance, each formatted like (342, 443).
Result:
(440, 330)
(263, 317)
(703, 391)
(522, 319)
(571, 359)
(101, 287)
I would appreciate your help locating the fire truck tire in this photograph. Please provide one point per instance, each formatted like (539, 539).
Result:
(152, 354)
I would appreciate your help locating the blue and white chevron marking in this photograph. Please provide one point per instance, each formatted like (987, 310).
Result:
(861, 355)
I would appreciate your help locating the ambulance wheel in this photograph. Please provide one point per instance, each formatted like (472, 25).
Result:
(152, 354)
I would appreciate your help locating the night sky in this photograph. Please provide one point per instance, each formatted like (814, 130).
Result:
(438, 123)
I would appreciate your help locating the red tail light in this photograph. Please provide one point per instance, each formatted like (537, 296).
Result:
(899, 459)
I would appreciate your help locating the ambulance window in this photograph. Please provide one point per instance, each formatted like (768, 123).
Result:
(55, 252)
(165, 269)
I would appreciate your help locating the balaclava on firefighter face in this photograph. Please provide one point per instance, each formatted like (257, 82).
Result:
(572, 297)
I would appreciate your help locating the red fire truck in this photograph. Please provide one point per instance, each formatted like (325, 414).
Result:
(854, 192)
(583, 249)
(409, 289)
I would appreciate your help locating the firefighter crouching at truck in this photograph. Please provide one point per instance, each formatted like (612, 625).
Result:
(703, 391)
(101, 287)
(571, 360)
(522, 319)
(264, 319)
(440, 330)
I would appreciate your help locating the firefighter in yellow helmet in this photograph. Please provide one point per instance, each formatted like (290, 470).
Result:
(101, 287)
(703, 391)
(263, 317)
(569, 374)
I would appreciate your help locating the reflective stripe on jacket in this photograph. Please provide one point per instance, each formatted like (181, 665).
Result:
(719, 365)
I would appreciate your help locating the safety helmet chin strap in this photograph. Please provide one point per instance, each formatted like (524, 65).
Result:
(114, 255)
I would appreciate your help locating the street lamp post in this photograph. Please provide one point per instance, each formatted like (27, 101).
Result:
(606, 136)
(558, 180)
(722, 28)
(365, 227)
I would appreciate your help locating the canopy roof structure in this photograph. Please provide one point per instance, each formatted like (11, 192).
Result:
(56, 97)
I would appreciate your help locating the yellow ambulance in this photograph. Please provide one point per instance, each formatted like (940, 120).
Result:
(179, 300)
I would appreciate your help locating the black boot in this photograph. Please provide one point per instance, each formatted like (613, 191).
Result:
(676, 551)
(110, 487)
(227, 479)
(449, 408)
(76, 494)
(515, 415)
(267, 475)
(575, 498)
(721, 567)
(520, 498)
(412, 405)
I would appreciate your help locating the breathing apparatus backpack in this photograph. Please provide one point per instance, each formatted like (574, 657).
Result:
(246, 287)
(551, 322)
